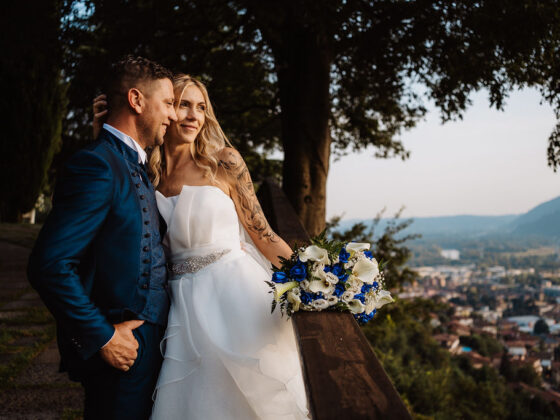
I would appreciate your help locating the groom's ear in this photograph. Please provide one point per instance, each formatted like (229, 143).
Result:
(136, 100)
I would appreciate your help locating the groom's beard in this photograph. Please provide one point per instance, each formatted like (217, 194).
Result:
(150, 133)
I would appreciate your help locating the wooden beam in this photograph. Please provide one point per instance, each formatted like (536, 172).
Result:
(343, 377)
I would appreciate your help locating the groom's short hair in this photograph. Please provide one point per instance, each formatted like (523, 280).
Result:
(130, 72)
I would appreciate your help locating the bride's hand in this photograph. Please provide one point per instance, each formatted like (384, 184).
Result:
(99, 113)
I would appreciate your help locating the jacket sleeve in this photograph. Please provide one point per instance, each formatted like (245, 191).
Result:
(81, 203)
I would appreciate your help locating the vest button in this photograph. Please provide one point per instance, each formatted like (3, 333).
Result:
(146, 261)
(146, 222)
(147, 235)
(134, 173)
(145, 274)
(145, 286)
(142, 196)
(138, 185)
(145, 209)
(146, 248)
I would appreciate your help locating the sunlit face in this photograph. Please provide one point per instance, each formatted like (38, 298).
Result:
(159, 112)
(191, 108)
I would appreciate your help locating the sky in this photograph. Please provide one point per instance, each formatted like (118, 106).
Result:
(489, 163)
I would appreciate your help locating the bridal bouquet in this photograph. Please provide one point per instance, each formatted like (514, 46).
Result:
(330, 275)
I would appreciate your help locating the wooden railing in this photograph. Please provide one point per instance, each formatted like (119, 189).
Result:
(343, 377)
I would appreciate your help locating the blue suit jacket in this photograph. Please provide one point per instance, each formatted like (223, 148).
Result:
(87, 261)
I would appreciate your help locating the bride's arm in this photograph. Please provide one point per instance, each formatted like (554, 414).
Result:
(248, 208)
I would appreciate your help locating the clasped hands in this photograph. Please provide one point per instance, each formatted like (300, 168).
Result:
(121, 351)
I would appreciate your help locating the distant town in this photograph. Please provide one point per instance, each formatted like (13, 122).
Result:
(518, 308)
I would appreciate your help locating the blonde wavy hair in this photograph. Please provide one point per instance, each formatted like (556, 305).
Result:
(209, 141)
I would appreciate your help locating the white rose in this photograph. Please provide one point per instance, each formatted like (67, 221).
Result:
(320, 304)
(333, 300)
(331, 278)
(354, 284)
(314, 253)
(347, 296)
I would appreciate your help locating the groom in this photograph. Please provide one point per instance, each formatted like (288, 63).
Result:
(98, 263)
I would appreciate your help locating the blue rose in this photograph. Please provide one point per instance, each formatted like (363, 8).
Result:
(368, 254)
(361, 297)
(280, 277)
(306, 297)
(298, 272)
(339, 289)
(327, 269)
(337, 270)
(375, 285)
(343, 256)
(366, 288)
(364, 318)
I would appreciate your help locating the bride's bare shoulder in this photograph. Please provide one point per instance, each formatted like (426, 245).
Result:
(230, 161)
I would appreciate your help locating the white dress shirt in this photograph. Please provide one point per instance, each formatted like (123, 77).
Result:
(129, 141)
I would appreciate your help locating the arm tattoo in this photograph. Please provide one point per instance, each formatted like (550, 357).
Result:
(251, 210)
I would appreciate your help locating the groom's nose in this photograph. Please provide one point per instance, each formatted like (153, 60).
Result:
(172, 115)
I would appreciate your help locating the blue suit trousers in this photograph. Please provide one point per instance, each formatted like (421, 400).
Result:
(113, 394)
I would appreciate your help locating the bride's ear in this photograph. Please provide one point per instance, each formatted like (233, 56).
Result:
(136, 100)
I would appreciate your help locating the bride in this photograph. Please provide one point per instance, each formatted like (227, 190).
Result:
(225, 355)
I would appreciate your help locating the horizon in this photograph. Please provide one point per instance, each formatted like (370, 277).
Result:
(490, 163)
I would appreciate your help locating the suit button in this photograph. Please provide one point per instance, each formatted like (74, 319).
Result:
(147, 235)
(145, 274)
(146, 261)
(146, 249)
(138, 185)
(142, 196)
(144, 286)
(146, 222)
(145, 209)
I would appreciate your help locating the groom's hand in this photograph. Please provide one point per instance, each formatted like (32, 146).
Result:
(121, 351)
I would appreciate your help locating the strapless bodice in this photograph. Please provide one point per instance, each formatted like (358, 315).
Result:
(200, 220)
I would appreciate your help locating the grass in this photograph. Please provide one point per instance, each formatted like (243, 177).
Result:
(22, 234)
(21, 355)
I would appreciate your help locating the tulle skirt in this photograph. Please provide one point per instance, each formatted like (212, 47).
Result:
(225, 355)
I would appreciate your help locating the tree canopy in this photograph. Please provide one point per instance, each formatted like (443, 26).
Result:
(317, 77)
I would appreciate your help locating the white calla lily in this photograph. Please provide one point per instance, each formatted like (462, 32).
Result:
(282, 288)
(356, 307)
(314, 253)
(357, 246)
(322, 286)
(370, 303)
(366, 270)
(383, 297)
(294, 298)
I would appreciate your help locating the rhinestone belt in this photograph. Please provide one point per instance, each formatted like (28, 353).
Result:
(194, 264)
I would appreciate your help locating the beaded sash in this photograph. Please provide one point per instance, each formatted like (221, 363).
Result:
(194, 264)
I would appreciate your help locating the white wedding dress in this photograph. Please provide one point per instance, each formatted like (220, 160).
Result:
(225, 355)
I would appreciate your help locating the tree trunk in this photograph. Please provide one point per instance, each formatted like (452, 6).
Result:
(303, 62)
